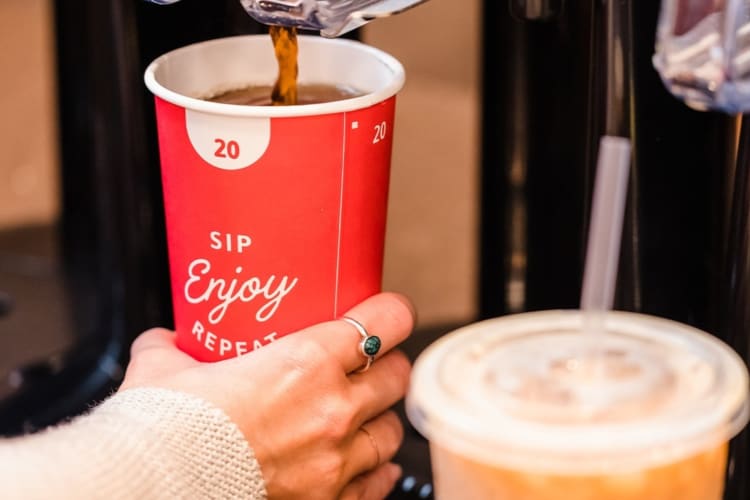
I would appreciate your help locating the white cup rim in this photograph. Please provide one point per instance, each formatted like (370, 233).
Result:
(390, 64)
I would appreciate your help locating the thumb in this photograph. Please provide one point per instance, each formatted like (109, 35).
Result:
(155, 355)
(156, 338)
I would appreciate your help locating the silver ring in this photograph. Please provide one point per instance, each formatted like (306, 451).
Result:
(368, 346)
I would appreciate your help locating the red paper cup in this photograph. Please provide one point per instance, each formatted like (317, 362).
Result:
(275, 215)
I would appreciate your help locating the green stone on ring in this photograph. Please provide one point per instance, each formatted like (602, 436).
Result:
(371, 345)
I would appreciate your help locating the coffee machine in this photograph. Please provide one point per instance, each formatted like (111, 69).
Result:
(555, 77)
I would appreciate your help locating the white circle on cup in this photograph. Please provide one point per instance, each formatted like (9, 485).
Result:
(228, 142)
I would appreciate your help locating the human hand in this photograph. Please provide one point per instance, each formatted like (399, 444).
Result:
(318, 428)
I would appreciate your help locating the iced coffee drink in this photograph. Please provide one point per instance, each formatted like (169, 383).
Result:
(528, 407)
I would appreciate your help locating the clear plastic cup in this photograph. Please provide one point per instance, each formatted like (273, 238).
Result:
(525, 407)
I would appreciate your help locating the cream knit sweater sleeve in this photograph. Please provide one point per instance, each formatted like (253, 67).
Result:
(138, 444)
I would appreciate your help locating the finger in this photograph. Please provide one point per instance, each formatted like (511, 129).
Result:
(382, 386)
(374, 485)
(375, 443)
(389, 316)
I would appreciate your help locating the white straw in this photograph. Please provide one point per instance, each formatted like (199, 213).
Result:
(608, 207)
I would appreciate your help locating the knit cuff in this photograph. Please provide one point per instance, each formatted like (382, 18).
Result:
(196, 449)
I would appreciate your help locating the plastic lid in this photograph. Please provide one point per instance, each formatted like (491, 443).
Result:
(531, 391)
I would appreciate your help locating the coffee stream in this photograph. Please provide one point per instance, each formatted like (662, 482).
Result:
(286, 49)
